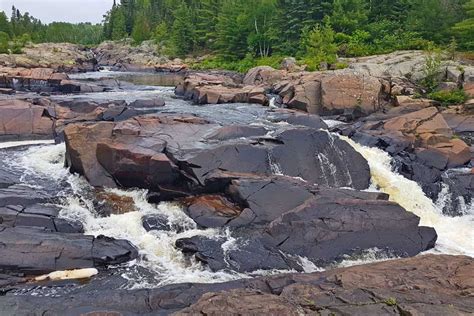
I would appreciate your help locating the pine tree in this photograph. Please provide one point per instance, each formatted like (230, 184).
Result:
(5, 25)
(348, 15)
(182, 33)
(233, 28)
(206, 21)
(142, 29)
(464, 30)
(118, 24)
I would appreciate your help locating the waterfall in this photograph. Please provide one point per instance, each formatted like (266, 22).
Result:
(455, 234)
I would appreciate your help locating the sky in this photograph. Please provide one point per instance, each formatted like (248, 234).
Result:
(73, 11)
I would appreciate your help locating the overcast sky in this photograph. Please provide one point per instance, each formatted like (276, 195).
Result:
(60, 10)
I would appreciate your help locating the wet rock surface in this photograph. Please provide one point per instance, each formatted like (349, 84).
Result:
(264, 189)
(282, 218)
(422, 285)
(226, 175)
(34, 252)
(217, 89)
(426, 145)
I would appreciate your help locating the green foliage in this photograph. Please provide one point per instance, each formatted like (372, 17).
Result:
(241, 66)
(141, 29)
(432, 69)
(464, 30)
(233, 27)
(160, 34)
(240, 32)
(319, 47)
(391, 301)
(446, 97)
(4, 38)
(182, 33)
(348, 16)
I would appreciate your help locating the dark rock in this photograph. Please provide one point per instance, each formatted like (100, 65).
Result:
(36, 251)
(22, 195)
(393, 284)
(246, 255)
(147, 103)
(237, 131)
(155, 222)
(321, 158)
(299, 118)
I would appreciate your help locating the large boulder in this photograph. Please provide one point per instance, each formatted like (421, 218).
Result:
(279, 218)
(330, 93)
(263, 75)
(22, 119)
(125, 56)
(216, 89)
(179, 154)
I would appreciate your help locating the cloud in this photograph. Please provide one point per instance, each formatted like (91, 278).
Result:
(60, 10)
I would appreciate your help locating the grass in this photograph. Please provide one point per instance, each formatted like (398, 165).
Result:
(449, 97)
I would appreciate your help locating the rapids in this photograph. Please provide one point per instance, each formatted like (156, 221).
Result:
(41, 165)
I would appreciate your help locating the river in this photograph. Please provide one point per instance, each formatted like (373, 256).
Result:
(41, 165)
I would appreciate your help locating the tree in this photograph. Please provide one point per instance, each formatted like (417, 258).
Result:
(5, 25)
(206, 21)
(182, 33)
(4, 38)
(293, 16)
(464, 30)
(118, 26)
(263, 35)
(141, 30)
(319, 46)
(434, 19)
(348, 16)
(233, 28)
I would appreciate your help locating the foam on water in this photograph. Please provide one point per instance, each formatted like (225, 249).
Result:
(168, 265)
(156, 248)
(455, 234)
(25, 143)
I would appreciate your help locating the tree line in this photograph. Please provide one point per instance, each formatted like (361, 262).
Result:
(21, 28)
(234, 29)
(247, 30)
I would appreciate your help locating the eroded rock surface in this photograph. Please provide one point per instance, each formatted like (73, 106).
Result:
(427, 285)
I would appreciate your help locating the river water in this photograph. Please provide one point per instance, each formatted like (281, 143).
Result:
(41, 165)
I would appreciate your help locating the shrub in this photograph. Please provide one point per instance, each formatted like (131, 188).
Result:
(432, 69)
(241, 66)
(449, 97)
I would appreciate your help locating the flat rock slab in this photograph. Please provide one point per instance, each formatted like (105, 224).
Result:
(429, 285)
(33, 251)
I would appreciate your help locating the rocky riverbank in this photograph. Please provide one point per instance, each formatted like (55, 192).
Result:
(257, 187)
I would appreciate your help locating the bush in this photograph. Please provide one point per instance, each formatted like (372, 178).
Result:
(241, 66)
(432, 69)
(449, 97)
